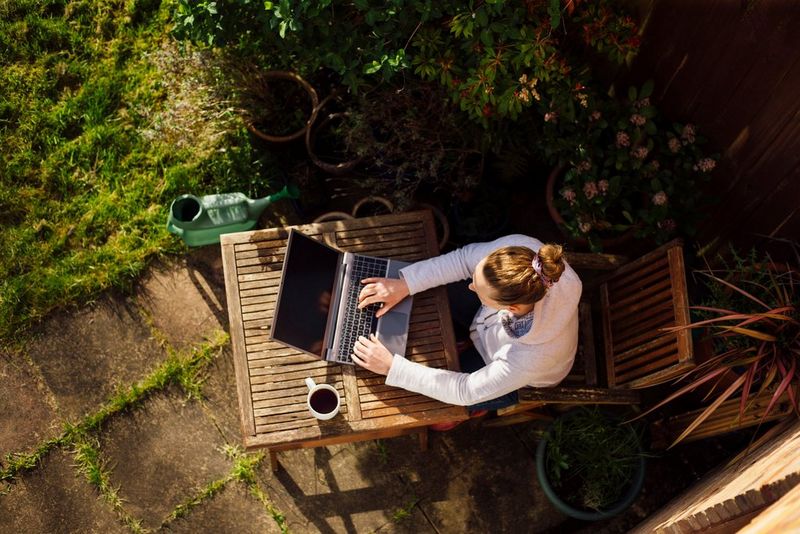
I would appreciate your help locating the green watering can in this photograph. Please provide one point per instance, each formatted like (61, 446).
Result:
(200, 221)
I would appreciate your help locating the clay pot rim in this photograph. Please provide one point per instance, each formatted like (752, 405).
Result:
(294, 77)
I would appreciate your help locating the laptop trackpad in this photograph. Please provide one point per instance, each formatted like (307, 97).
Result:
(393, 332)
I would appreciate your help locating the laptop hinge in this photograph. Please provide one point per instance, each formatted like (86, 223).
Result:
(333, 314)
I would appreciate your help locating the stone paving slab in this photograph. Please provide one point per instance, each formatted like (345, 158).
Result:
(220, 398)
(343, 488)
(186, 299)
(85, 355)
(232, 511)
(161, 455)
(27, 415)
(55, 498)
(476, 479)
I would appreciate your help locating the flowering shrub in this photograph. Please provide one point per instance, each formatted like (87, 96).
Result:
(625, 168)
(476, 51)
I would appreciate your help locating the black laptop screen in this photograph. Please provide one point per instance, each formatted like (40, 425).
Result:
(309, 271)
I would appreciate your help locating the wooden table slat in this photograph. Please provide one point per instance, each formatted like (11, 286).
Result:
(298, 375)
(406, 408)
(276, 371)
(287, 393)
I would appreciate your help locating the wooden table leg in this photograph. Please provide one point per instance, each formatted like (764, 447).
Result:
(273, 461)
(423, 439)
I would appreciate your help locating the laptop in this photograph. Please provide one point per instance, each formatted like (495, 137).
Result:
(317, 307)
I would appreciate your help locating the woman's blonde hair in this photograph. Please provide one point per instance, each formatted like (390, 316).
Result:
(509, 272)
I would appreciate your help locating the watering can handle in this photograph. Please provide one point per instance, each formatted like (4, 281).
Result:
(177, 230)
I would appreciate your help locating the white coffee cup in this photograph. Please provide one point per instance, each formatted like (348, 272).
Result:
(323, 400)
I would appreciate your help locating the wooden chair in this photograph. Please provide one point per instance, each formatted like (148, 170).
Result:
(636, 300)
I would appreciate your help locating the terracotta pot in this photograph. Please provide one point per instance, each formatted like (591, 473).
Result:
(312, 94)
(608, 242)
(313, 127)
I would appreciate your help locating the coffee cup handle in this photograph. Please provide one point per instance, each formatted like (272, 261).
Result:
(310, 383)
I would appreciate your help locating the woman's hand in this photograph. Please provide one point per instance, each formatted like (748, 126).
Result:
(388, 291)
(372, 355)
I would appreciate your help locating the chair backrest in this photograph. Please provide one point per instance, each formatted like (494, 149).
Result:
(637, 302)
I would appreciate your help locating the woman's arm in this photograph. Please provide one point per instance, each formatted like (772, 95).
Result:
(464, 389)
(498, 378)
(454, 266)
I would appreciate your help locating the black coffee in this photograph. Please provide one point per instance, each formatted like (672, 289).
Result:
(323, 401)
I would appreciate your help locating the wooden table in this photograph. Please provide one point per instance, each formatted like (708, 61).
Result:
(270, 375)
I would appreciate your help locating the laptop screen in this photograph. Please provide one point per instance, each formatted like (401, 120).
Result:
(309, 272)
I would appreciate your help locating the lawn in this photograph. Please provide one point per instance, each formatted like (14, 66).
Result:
(104, 118)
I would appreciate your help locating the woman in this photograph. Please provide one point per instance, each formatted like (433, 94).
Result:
(525, 331)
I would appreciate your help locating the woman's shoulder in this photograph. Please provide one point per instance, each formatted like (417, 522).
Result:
(518, 240)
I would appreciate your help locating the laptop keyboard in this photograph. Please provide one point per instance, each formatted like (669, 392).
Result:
(359, 322)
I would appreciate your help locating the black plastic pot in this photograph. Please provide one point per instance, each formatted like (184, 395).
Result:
(637, 480)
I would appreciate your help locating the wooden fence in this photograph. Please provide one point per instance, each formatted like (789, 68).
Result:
(733, 68)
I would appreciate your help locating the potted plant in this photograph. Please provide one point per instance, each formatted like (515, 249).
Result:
(590, 465)
(622, 171)
(409, 138)
(277, 106)
(752, 315)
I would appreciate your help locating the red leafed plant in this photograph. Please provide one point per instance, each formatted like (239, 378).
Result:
(753, 318)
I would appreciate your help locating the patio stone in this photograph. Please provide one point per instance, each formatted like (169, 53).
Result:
(220, 399)
(233, 510)
(56, 498)
(476, 479)
(26, 413)
(161, 455)
(85, 355)
(343, 488)
(186, 299)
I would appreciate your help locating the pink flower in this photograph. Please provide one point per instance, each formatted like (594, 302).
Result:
(640, 152)
(643, 103)
(667, 224)
(602, 185)
(623, 139)
(590, 190)
(585, 227)
(551, 116)
(583, 166)
(568, 195)
(687, 134)
(674, 145)
(660, 198)
(595, 116)
(655, 164)
(638, 120)
(706, 164)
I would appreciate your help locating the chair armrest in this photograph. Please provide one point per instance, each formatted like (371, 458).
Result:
(578, 395)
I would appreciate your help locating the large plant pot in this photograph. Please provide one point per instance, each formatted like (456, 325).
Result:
(608, 242)
(317, 125)
(627, 498)
(259, 131)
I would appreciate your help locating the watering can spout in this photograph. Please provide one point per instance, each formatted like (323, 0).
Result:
(258, 205)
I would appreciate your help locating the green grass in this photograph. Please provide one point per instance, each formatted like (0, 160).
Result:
(104, 119)
(88, 460)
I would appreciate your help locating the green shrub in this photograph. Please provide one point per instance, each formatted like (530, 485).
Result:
(477, 51)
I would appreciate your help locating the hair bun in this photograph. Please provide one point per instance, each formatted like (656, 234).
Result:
(552, 258)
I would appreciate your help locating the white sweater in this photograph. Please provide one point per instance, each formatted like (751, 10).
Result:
(540, 358)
